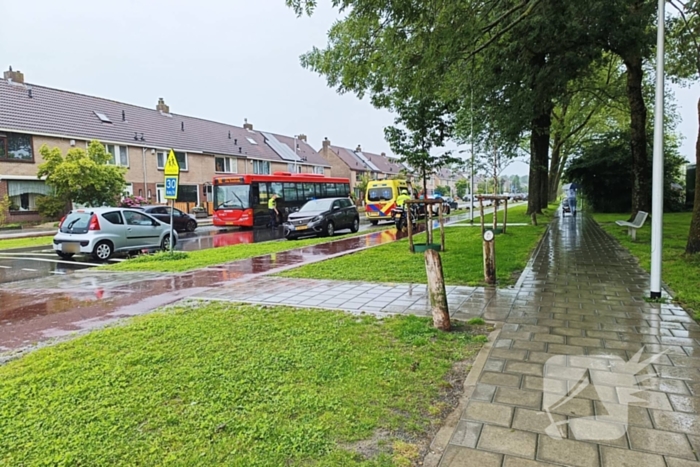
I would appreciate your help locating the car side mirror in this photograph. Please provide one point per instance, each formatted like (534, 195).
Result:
(155, 224)
(335, 208)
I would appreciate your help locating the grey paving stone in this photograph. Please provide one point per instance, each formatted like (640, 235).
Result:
(660, 442)
(615, 457)
(483, 392)
(568, 452)
(458, 456)
(534, 369)
(519, 462)
(466, 434)
(508, 441)
(519, 397)
(488, 413)
(676, 421)
(673, 462)
(537, 422)
(554, 339)
(500, 379)
(495, 365)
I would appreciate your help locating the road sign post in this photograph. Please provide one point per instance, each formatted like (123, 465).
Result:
(172, 181)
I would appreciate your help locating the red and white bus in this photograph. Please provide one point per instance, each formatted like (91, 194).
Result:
(241, 200)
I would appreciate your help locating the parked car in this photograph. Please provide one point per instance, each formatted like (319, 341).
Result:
(451, 202)
(101, 232)
(322, 217)
(182, 222)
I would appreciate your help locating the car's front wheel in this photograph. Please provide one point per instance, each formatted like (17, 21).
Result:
(191, 225)
(330, 229)
(103, 251)
(63, 255)
(355, 225)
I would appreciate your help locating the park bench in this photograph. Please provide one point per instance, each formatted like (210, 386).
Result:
(632, 227)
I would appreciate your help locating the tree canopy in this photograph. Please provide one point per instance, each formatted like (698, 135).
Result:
(83, 177)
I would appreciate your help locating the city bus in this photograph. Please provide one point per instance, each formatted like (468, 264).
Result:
(241, 200)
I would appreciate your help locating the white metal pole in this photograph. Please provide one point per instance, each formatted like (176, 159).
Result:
(295, 154)
(471, 183)
(657, 190)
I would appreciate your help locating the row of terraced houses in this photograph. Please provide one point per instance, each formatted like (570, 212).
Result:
(139, 139)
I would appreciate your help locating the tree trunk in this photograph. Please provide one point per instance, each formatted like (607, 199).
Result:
(436, 290)
(554, 172)
(693, 245)
(641, 173)
(539, 160)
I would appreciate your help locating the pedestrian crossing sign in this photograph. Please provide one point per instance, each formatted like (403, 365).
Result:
(171, 165)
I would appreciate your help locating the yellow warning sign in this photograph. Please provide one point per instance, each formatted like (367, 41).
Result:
(171, 165)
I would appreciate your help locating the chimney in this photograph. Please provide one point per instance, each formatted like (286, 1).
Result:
(383, 154)
(162, 107)
(16, 76)
(326, 143)
(359, 148)
(247, 126)
(302, 137)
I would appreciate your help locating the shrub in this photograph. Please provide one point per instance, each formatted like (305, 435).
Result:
(51, 207)
(132, 201)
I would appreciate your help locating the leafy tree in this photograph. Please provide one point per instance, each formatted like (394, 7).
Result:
(443, 190)
(84, 177)
(684, 66)
(4, 209)
(515, 184)
(461, 187)
(604, 173)
(362, 183)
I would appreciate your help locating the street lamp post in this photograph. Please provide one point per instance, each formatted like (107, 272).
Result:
(657, 190)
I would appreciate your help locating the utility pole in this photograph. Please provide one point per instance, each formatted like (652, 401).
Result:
(471, 183)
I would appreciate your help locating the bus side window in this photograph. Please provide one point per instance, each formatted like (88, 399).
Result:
(263, 193)
(275, 189)
(346, 187)
(290, 192)
(320, 190)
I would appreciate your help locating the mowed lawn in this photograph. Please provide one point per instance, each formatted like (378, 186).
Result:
(222, 384)
(462, 261)
(680, 272)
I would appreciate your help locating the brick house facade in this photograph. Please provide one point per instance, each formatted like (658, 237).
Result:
(139, 139)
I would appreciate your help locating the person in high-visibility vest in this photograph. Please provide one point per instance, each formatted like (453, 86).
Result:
(402, 198)
(272, 209)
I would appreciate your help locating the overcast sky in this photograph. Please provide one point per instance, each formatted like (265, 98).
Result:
(223, 61)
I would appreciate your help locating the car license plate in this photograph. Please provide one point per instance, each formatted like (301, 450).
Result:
(70, 247)
(372, 214)
(301, 227)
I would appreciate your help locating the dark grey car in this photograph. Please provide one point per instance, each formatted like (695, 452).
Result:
(322, 217)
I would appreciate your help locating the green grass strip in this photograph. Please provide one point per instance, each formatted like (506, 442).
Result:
(220, 384)
(462, 262)
(679, 271)
(10, 243)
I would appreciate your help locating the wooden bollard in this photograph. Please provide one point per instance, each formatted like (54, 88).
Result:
(436, 290)
(489, 257)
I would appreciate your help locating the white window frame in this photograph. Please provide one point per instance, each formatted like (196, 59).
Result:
(129, 189)
(232, 162)
(257, 165)
(117, 154)
(165, 158)
(319, 170)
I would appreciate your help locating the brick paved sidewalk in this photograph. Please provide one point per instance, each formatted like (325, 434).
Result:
(568, 328)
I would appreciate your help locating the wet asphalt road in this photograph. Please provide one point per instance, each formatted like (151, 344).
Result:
(36, 262)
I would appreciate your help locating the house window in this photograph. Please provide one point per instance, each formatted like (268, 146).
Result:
(129, 189)
(23, 194)
(16, 147)
(225, 164)
(261, 167)
(291, 167)
(120, 155)
(162, 157)
(188, 194)
(318, 170)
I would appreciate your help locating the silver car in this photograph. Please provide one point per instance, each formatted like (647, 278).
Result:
(101, 232)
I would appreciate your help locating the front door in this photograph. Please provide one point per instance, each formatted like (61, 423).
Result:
(140, 231)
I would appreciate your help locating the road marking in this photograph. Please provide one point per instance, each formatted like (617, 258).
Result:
(49, 260)
(29, 254)
(30, 270)
(5, 267)
(60, 273)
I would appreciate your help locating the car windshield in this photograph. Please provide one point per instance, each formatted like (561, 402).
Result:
(317, 205)
(380, 194)
(232, 197)
(76, 222)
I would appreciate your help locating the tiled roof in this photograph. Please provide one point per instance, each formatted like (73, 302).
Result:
(383, 163)
(61, 113)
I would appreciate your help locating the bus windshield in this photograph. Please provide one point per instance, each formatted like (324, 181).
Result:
(232, 196)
